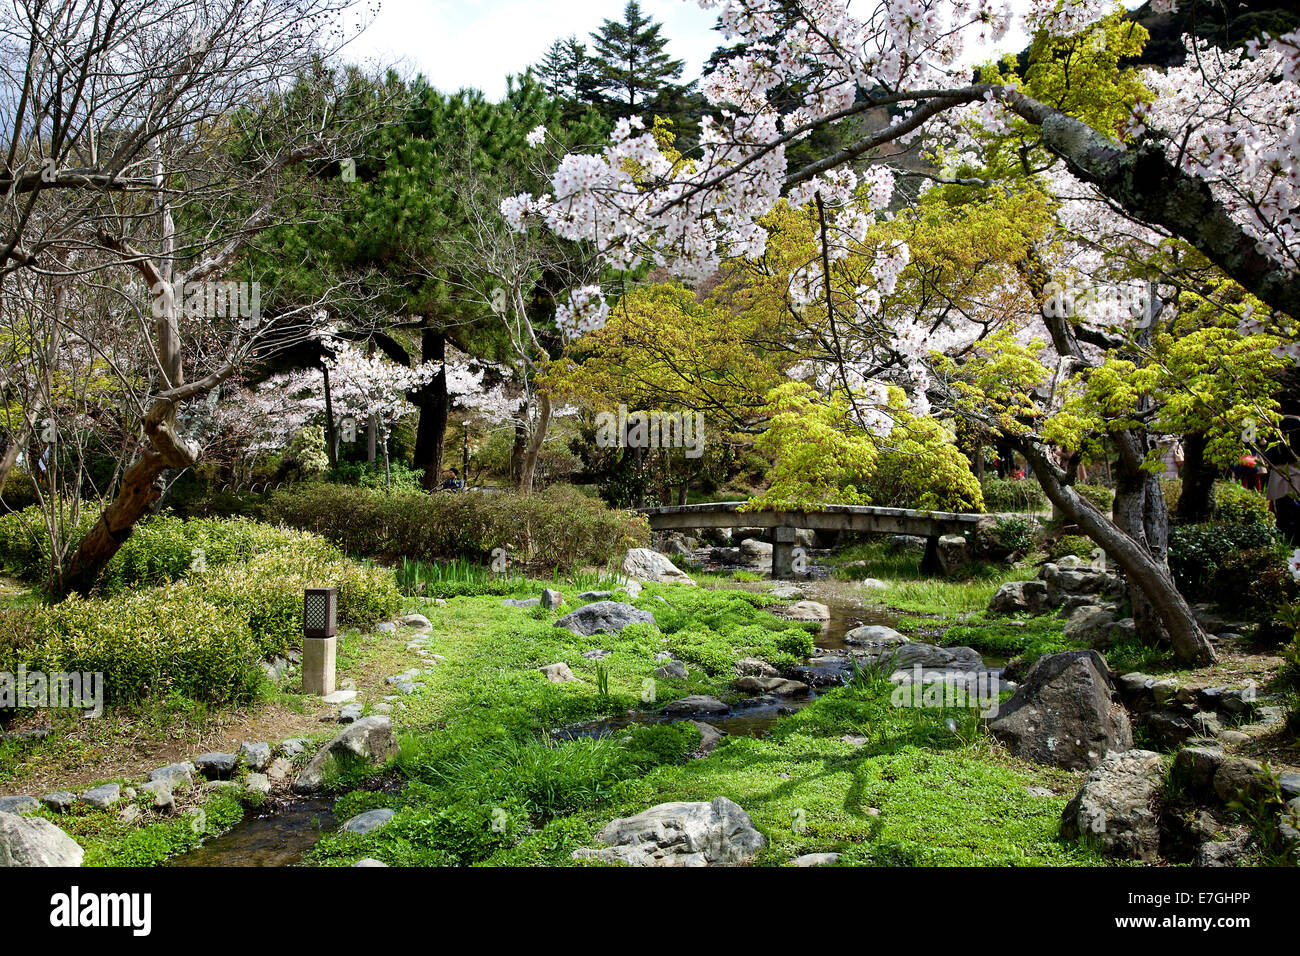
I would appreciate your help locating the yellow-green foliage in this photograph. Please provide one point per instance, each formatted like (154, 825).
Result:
(921, 467)
(820, 457)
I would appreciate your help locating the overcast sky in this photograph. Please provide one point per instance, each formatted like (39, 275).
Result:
(476, 43)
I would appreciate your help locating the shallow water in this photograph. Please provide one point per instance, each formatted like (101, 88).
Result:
(277, 835)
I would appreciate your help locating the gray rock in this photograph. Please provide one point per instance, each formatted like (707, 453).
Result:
(753, 548)
(258, 783)
(807, 611)
(351, 713)
(1090, 624)
(771, 685)
(103, 796)
(387, 627)
(604, 617)
(340, 697)
(906, 544)
(526, 602)
(595, 595)
(368, 822)
(19, 806)
(596, 654)
(408, 687)
(954, 554)
(753, 667)
(874, 634)
(60, 801)
(216, 766)
(255, 755)
(370, 740)
(558, 673)
(369, 861)
(816, 859)
(1019, 597)
(1195, 767)
(1238, 777)
(931, 656)
(34, 841)
(1065, 714)
(161, 790)
(280, 769)
(718, 833)
(293, 746)
(642, 564)
(673, 670)
(175, 774)
(710, 737)
(1238, 850)
(874, 584)
(786, 592)
(1113, 810)
(696, 704)
(415, 620)
(551, 599)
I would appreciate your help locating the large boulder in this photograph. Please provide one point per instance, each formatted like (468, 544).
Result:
(603, 617)
(1066, 580)
(642, 564)
(1019, 597)
(1065, 714)
(807, 611)
(754, 549)
(998, 537)
(717, 833)
(1114, 811)
(34, 841)
(369, 740)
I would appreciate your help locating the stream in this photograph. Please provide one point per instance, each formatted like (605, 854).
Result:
(283, 831)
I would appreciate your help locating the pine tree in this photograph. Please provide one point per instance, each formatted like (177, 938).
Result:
(568, 73)
(630, 61)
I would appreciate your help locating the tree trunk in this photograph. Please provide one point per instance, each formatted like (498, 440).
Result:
(138, 490)
(1179, 625)
(331, 430)
(517, 451)
(432, 402)
(529, 465)
(1197, 497)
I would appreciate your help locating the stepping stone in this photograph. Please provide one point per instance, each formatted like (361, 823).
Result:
(102, 797)
(258, 783)
(407, 687)
(350, 714)
(403, 677)
(387, 627)
(415, 620)
(697, 704)
(529, 602)
(340, 697)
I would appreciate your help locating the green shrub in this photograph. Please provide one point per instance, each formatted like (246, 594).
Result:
(557, 528)
(1236, 504)
(1197, 551)
(399, 477)
(1256, 581)
(1076, 544)
(1006, 494)
(1100, 496)
(19, 491)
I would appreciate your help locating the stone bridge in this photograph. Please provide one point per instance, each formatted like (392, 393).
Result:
(831, 519)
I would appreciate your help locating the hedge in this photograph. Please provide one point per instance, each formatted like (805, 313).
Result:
(558, 528)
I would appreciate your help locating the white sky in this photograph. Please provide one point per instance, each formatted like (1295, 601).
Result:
(476, 43)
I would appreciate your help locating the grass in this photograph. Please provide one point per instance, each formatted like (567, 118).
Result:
(486, 786)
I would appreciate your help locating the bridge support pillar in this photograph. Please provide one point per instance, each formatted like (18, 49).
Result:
(783, 552)
(930, 562)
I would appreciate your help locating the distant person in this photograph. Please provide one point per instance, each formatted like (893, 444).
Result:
(453, 482)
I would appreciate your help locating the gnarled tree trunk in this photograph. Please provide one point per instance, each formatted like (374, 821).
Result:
(1196, 500)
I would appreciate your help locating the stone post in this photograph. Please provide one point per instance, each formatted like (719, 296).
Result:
(782, 553)
(318, 665)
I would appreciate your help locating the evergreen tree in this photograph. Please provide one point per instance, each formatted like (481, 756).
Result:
(568, 73)
(630, 62)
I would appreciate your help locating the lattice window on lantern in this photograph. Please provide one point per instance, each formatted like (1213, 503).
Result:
(319, 612)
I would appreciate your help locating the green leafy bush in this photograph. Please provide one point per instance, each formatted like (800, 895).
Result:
(557, 528)
(1256, 581)
(19, 491)
(1100, 496)
(1197, 551)
(1006, 494)
(399, 477)
(1236, 504)
(1076, 544)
